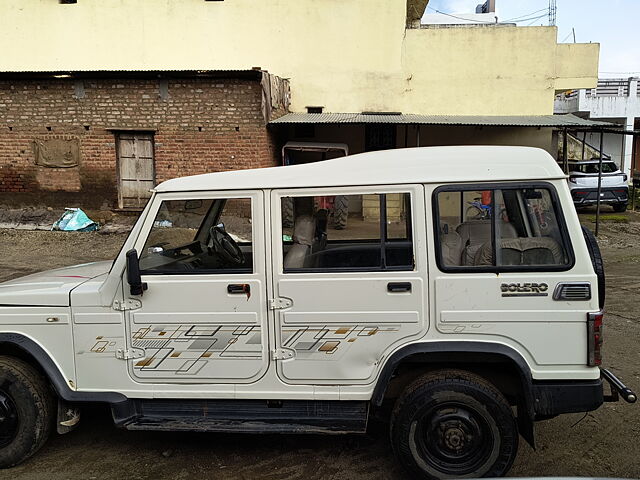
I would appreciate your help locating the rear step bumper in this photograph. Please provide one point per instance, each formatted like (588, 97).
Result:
(618, 389)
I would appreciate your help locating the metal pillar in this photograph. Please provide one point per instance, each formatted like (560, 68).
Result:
(584, 141)
(565, 154)
(599, 184)
(634, 152)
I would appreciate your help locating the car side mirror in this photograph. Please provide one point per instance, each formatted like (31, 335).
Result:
(133, 273)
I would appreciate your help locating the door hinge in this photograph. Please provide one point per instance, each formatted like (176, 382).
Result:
(130, 353)
(282, 354)
(128, 304)
(279, 303)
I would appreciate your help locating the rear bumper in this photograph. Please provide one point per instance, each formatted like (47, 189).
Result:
(589, 196)
(554, 398)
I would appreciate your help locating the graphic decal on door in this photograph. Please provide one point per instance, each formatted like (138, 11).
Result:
(318, 342)
(185, 349)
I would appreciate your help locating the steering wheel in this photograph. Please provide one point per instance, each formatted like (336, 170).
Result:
(224, 244)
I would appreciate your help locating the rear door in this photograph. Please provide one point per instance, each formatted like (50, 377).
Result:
(503, 253)
(346, 297)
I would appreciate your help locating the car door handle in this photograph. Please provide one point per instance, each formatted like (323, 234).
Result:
(397, 287)
(239, 289)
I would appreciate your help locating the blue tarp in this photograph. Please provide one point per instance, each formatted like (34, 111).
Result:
(75, 220)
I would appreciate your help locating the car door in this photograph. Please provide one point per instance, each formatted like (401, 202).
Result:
(346, 296)
(505, 270)
(203, 315)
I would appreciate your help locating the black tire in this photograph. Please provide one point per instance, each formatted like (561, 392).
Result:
(454, 424)
(340, 212)
(27, 409)
(596, 261)
(288, 214)
(620, 207)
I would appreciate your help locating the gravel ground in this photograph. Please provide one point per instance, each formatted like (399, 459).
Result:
(603, 443)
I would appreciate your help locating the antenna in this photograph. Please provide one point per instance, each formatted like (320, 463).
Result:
(552, 13)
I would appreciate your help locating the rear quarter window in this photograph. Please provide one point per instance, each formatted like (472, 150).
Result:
(500, 228)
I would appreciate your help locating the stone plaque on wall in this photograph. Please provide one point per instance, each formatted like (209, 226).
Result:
(57, 152)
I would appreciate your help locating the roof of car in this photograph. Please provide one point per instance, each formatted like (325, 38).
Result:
(397, 166)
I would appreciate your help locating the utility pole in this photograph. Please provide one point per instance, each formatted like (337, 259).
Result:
(552, 13)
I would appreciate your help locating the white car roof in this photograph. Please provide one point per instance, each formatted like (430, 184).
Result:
(398, 166)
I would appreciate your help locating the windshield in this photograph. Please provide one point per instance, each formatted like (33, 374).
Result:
(607, 167)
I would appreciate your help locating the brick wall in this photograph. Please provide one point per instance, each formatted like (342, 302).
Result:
(201, 125)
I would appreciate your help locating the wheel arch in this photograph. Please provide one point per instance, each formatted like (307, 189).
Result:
(25, 348)
(455, 351)
(458, 354)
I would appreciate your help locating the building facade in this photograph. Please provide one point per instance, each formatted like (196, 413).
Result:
(351, 56)
(104, 139)
(615, 100)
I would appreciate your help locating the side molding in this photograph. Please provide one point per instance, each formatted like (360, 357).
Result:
(53, 373)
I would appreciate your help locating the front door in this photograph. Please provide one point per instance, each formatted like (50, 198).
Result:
(136, 174)
(203, 316)
(346, 296)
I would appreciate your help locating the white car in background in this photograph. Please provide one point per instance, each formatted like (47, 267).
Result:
(583, 183)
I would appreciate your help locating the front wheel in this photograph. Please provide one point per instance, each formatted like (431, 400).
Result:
(26, 411)
(454, 424)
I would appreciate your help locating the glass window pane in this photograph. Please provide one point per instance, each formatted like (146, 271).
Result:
(344, 232)
(527, 229)
(196, 236)
(399, 247)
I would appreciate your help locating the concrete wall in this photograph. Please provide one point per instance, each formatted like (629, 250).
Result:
(345, 55)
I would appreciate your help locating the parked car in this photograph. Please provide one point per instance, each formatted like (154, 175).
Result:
(583, 183)
(468, 301)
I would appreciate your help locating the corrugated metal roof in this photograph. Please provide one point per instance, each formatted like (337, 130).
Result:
(567, 120)
(39, 74)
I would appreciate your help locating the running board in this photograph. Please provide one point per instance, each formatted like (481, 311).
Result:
(243, 416)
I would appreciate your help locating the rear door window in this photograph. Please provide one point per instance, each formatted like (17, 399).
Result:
(357, 232)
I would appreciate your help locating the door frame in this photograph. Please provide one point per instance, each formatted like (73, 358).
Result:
(117, 134)
(260, 272)
(420, 272)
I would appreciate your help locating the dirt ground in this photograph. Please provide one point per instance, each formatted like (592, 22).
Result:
(604, 443)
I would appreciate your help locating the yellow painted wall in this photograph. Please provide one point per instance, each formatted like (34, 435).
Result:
(345, 55)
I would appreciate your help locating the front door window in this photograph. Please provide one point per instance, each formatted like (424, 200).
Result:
(200, 236)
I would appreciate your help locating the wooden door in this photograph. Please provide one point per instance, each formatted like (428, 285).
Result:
(136, 173)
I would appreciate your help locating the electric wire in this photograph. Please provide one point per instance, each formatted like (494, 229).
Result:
(533, 19)
(565, 38)
(459, 18)
(546, 9)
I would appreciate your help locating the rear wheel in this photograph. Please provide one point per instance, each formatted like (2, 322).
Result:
(340, 212)
(453, 424)
(596, 261)
(287, 212)
(620, 207)
(26, 411)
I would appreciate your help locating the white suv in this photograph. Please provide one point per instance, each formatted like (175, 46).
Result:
(583, 183)
(469, 300)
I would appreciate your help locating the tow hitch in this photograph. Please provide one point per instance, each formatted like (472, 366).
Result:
(617, 388)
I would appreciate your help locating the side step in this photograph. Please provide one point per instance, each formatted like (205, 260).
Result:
(243, 416)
